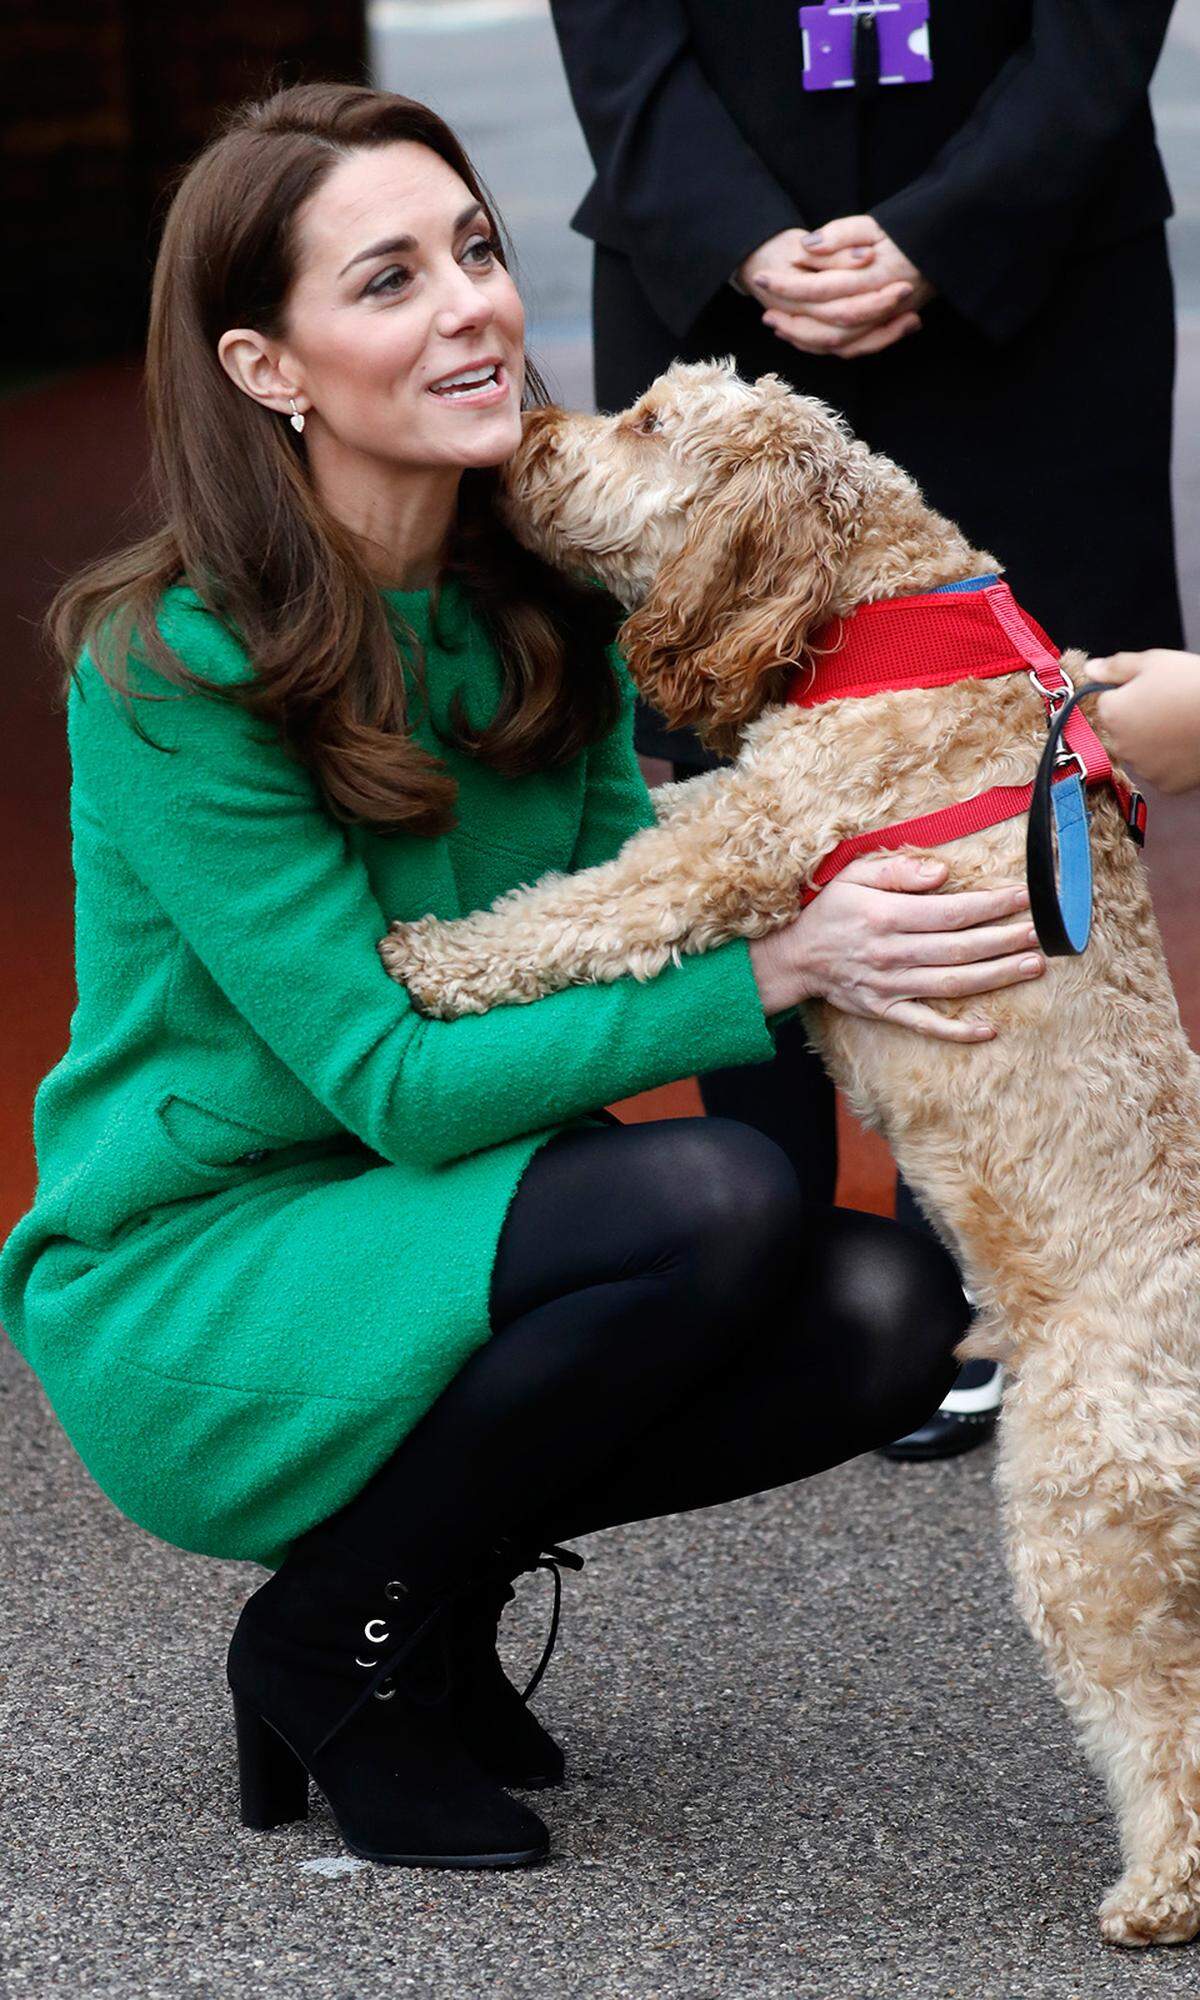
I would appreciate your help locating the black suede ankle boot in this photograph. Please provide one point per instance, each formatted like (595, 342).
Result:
(339, 1672)
(494, 1722)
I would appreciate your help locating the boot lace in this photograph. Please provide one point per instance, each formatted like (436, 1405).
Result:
(554, 1559)
(381, 1684)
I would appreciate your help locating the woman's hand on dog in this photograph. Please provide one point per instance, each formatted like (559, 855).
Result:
(877, 944)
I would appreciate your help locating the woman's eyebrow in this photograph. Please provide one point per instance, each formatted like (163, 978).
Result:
(399, 244)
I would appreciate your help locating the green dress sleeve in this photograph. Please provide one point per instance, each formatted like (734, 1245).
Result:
(227, 831)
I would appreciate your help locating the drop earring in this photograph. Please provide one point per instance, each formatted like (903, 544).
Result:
(296, 419)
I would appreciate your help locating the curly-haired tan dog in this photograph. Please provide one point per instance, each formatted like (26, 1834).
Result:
(1059, 1159)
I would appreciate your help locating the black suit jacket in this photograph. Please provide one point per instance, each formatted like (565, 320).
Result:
(1033, 142)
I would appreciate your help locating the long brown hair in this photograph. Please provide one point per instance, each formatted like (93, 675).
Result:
(241, 521)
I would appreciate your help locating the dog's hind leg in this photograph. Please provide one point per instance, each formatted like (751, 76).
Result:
(1157, 1900)
(1104, 1548)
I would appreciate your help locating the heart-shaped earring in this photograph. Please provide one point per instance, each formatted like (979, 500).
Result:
(296, 419)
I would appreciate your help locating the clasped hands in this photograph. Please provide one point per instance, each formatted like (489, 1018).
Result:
(845, 289)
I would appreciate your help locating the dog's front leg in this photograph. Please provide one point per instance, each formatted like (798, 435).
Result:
(684, 795)
(711, 872)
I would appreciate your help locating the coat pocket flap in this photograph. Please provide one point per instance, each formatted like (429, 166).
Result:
(209, 1138)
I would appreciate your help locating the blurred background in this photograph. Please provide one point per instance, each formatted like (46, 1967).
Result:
(102, 101)
(813, 1754)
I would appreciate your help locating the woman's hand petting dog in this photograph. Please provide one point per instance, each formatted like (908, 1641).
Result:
(874, 942)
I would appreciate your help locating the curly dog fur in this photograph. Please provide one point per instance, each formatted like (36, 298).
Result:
(1058, 1160)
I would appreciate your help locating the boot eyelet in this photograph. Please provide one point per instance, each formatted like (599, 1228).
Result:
(377, 1638)
(384, 1693)
(364, 1663)
(394, 1590)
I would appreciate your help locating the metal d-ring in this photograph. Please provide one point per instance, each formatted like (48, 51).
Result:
(1053, 697)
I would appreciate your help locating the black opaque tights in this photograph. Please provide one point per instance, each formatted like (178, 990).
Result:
(673, 1326)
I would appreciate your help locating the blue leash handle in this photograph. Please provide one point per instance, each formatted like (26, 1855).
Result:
(1060, 899)
(1075, 894)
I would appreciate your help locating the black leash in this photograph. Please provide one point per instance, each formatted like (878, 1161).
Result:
(1060, 896)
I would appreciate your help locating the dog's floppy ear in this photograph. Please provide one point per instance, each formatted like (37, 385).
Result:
(728, 617)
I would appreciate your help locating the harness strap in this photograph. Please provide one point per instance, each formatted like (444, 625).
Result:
(1078, 733)
(928, 640)
(904, 643)
(931, 830)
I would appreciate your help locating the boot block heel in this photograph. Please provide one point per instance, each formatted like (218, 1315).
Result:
(271, 1778)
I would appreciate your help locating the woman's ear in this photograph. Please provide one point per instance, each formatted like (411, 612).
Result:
(728, 617)
(248, 360)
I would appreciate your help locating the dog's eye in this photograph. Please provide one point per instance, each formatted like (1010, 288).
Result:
(647, 423)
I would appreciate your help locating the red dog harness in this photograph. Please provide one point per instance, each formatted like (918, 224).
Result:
(956, 633)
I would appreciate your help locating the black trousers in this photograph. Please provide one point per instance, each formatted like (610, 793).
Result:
(674, 1325)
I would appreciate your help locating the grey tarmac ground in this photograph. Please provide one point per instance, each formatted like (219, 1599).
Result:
(812, 1751)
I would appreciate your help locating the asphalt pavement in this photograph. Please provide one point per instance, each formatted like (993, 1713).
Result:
(813, 1754)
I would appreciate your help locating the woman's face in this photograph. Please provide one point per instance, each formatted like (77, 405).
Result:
(398, 291)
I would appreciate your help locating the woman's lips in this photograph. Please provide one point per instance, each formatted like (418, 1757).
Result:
(483, 397)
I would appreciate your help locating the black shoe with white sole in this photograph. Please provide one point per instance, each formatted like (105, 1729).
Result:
(965, 1419)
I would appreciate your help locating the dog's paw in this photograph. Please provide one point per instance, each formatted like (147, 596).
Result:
(413, 955)
(1141, 1912)
(405, 947)
(452, 969)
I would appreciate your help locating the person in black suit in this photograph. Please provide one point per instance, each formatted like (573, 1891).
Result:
(973, 267)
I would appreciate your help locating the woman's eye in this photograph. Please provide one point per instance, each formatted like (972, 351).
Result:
(480, 251)
(380, 284)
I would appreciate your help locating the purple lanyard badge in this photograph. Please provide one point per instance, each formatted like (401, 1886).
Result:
(835, 37)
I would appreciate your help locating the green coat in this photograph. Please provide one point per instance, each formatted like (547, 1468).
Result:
(269, 1190)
